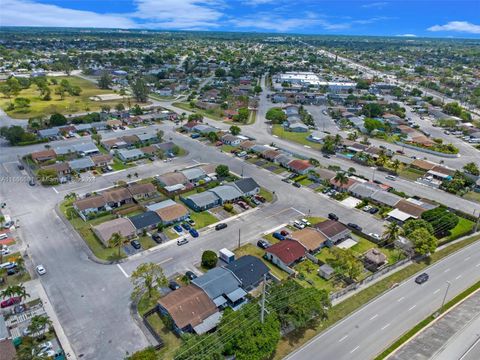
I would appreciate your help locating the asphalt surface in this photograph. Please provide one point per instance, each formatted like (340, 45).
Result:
(368, 331)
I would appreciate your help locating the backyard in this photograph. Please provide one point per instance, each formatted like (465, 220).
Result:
(298, 137)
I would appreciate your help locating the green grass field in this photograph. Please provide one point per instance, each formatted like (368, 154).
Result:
(202, 219)
(214, 114)
(472, 196)
(69, 105)
(298, 137)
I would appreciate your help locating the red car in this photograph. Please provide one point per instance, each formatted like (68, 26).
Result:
(284, 232)
(10, 302)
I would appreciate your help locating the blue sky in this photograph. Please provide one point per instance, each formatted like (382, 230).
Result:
(432, 18)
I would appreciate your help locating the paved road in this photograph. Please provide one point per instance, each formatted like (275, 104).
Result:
(367, 332)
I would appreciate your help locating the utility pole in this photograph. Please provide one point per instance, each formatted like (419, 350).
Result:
(239, 238)
(445, 296)
(262, 312)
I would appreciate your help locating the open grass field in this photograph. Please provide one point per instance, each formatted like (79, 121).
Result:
(69, 105)
(298, 137)
(214, 114)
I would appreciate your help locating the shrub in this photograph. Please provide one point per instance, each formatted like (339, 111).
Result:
(209, 259)
(228, 207)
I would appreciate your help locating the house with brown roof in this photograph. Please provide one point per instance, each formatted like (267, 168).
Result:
(285, 254)
(124, 226)
(117, 197)
(173, 213)
(150, 150)
(190, 309)
(89, 205)
(247, 145)
(271, 154)
(61, 168)
(130, 140)
(172, 178)
(422, 164)
(7, 350)
(142, 191)
(408, 207)
(333, 231)
(311, 239)
(114, 144)
(102, 160)
(300, 166)
(44, 155)
(343, 187)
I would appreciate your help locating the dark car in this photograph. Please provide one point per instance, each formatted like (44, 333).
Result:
(220, 226)
(32, 182)
(373, 210)
(157, 238)
(10, 302)
(193, 232)
(190, 275)
(263, 244)
(173, 285)
(326, 156)
(136, 244)
(296, 184)
(354, 226)
(420, 279)
(186, 226)
(284, 232)
(21, 167)
(178, 228)
(332, 216)
(278, 236)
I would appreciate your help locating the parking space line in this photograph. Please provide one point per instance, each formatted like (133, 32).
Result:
(383, 328)
(123, 271)
(374, 316)
(413, 307)
(343, 338)
(458, 277)
(354, 349)
(447, 270)
(401, 299)
(55, 190)
(436, 291)
(301, 213)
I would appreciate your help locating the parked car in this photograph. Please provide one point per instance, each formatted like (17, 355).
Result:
(11, 301)
(297, 185)
(373, 210)
(367, 208)
(420, 279)
(391, 177)
(298, 224)
(355, 226)
(260, 198)
(157, 238)
(332, 216)
(190, 275)
(305, 222)
(178, 228)
(220, 226)
(286, 180)
(374, 235)
(31, 182)
(193, 232)
(242, 204)
(326, 156)
(186, 226)
(136, 244)
(173, 285)
(182, 241)
(278, 236)
(284, 232)
(41, 270)
(263, 244)
(190, 221)
(20, 166)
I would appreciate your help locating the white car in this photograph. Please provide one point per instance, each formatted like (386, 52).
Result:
(47, 345)
(375, 236)
(306, 222)
(41, 270)
(391, 177)
(298, 224)
(5, 251)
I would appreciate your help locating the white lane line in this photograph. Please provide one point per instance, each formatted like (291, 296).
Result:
(164, 261)
(123, 271)
(447, 270)
(374, 316)
(436, 291)
(55, 190)
(458, 277)
(353, 350)
(383, 328)
(343, 338)
(413, 307)
(467, 258)
(477, 265)
(301, 213)
(399, 300)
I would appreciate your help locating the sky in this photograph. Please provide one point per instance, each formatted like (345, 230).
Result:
(408, 18)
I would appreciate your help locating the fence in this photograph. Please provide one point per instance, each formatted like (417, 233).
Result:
(150, 328)
(368, 279)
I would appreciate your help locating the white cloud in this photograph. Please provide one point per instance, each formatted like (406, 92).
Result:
(258, 2)
(375, 5)
(407, 35)
(30, 13)
(458, 26)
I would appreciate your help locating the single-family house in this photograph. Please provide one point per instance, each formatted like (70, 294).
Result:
(89, 205)
(317, 136)
(229, 139)
(82, 164)
(61, 168)
(300, 166)
(142, 191)
(51, 133)
(385, 198)
(363, 190)
(285, 254)
(250, 270)
(227, 193)
(271, 154)
(114, 144)
(44, 155)
(333, 230)
(172, 178)
(117, 197)
(297, 126)
(145, 221)
(102, 160)
(247, 186)
(172, 213)
(310, 238)
(86, 149)
(127, 155)
(190, 309)
(193, 174)
(284, 159)
(408, 207)
(202, 201)
(124, 226)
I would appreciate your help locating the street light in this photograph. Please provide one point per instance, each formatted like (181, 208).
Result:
(445, 296)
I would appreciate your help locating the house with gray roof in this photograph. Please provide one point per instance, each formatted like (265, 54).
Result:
(193, 174)
(247, 186)
(363, 190)
(151, 138)
(203, 129)
(297, 127)
(65, 150)
(227, 193)
(202, 201)
(385, 198)
(127, 155)
(260, 148)
(83, 127)
(49, 133)
(161, 205)
(283, 159)
(81, 164)
(88, 148)
(222, 287)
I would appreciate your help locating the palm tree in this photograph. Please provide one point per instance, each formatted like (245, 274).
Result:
(20, 261)
(21, 292)
(116, 240)
(341, 178)
(8, 292)
(39, 324)
(396, 165)
(391, 233)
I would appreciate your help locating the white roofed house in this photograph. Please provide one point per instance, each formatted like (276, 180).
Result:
(127, 155)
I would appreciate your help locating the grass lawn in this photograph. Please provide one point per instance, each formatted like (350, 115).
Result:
(309, 270)
(463, 227)
(306, 182)
(411, 174)
(298, 137)
(227, 148)
(119, 165)
(250, 249)
(69, 105)
(473, 196)
(171, 341)
(16, 279)
(343, 309)
(146, 242)
(266, 194)
(170, 233)
(202, 219)
(214, 114)
(315, 219)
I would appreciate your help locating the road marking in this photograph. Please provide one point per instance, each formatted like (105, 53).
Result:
(436, 291)
(301, 213)
(477, 265)
(55, 190)
(383, 328)
(458, 277)
(164, 261)
(353, 350)
(399, 300)
(374, 316)
(467, 258)
(343, 338)
(123, 271)
(413, 307)
(447, 270)
(308, 147)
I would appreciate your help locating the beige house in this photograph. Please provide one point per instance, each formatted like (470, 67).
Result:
(105, 230)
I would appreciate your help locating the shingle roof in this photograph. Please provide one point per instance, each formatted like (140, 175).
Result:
(161, 205)
(92, 202)
(288, 251)
(172, 213)
(148, 218)
(217, 281)
(139, 189)
(203, 199)
(117, 195)
(384, 197)
(193, 173)
(330, 228)
(122, 225)
(249, 269)
(299, 165)
(82, 163)
(410, 208)
(50, 153)
(188, 305)
(172, 178)
(246, 185)
(226, 192)
(310, 238)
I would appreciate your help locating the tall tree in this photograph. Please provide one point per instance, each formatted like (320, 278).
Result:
(235, 130)
(39, 325)
(341, 178)
(105, 80)
(139, 89)
(148, 277)
(391, 233)
(424, 243)
(116, 240)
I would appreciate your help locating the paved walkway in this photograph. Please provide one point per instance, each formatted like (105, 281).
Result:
(453, 337)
